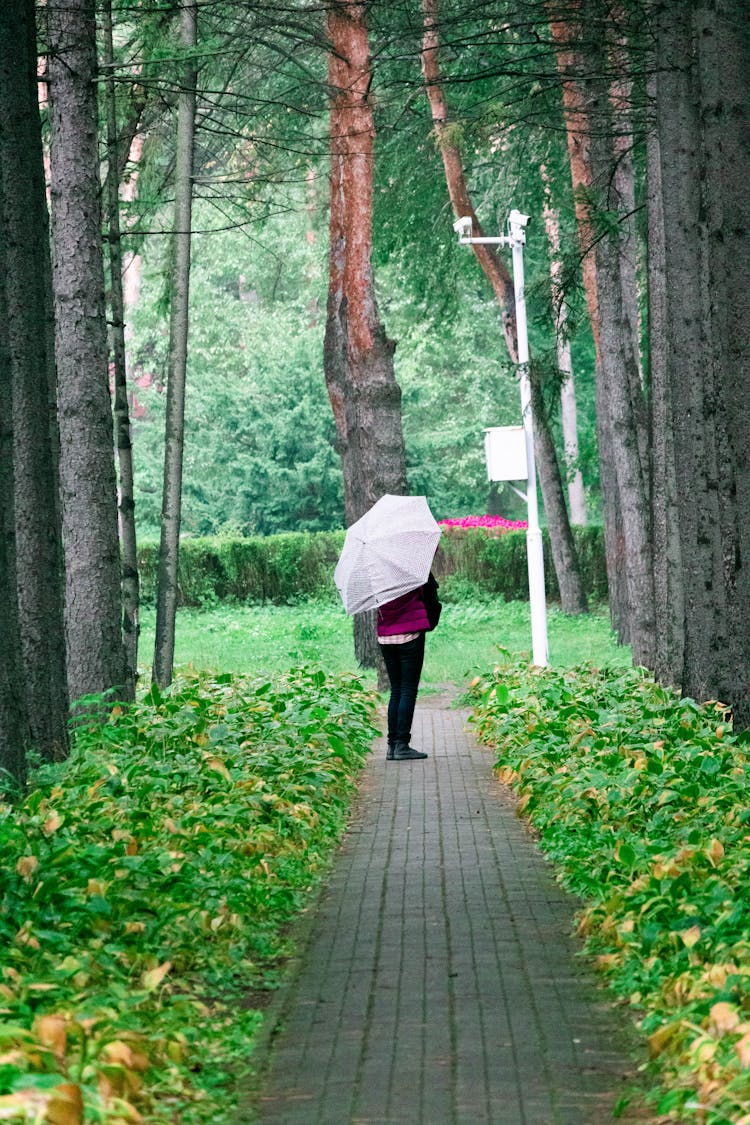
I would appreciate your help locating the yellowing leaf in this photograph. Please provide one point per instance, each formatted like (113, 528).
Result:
(52, 1032)
(52, 823)
(135, 927)
(20, 1106)
(25, 937)
(118, 1052)
(26, 866)
(714, 851)
(661, 1038)
(607, 961)
(704, 1050)
(218, 767)
(96, 887)
(153, 978)
(692, 936)
(724, 1017)
(120, 834)
(140, 1061)
(65, 1106)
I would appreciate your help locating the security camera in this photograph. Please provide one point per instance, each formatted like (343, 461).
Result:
(462, 227)
(517, 219)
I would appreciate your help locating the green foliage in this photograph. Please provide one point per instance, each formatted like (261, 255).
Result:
(286, 567)
(498, 563)
(259, 431)
(146, 882)
(277, 568)
(640, 798)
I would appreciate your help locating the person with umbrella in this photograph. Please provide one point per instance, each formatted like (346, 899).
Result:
(385, 563)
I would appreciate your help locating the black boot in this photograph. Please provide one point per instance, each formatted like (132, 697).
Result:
(389, 752)
(403, 752)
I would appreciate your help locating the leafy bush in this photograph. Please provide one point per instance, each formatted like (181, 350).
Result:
(275, 568)
(145, 884)
(640, 798)
(499, 564)
(283, 568)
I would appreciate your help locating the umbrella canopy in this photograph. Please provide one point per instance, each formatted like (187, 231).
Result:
(387, 552)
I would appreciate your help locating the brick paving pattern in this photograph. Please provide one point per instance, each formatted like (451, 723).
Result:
(440, 984)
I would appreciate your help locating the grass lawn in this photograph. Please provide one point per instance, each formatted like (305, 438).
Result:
(270, 639)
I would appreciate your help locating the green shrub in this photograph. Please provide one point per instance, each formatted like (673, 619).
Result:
(640, 798)
(274, 568)
(148, 883)
(283, 568)
(497, 563)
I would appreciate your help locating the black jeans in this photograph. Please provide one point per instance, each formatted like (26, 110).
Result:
(404, 666)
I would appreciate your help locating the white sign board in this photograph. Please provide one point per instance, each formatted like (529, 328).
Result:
(505, 451)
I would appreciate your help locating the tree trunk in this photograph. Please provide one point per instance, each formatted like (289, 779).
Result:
(702, 79)
(567, 33)
(28, 309)
(620, 374)
(358, 356)
(88, 488)
(14, 727)
(724, 61)
(169, 548)
(126, 496)
(564, 553)
(668, 592)
(619, 390)
(568, 411)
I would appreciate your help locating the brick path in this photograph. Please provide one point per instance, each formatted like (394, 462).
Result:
(440, 983)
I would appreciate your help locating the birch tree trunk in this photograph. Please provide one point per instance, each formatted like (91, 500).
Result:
(27, 319)
(169, 547)
(358, 356)
(126, 493)
(564, 554)
(87, 472)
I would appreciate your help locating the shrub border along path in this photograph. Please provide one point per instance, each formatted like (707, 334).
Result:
(147, 883)
(641, 800)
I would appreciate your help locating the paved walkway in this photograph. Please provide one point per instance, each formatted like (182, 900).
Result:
(440, 983)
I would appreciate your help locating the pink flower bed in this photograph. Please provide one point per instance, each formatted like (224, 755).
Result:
(490, 523)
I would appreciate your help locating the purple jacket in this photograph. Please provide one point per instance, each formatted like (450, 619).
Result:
(405, 614)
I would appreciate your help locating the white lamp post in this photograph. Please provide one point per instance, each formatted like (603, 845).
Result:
(516, 239)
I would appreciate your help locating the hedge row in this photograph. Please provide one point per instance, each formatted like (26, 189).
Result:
(283, 568)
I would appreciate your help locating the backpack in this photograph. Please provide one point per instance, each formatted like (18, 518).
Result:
(431, 601)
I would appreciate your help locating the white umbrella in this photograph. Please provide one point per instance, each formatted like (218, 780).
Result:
(387, 552)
